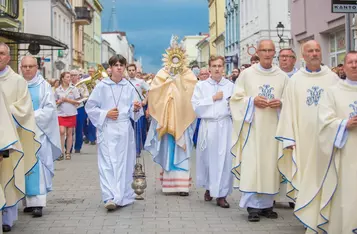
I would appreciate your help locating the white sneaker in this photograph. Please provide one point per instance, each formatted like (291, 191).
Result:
(110, 205)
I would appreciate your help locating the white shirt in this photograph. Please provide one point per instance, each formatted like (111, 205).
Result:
(65, 108)
(140, 86)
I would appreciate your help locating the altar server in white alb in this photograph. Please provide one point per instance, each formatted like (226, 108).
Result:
(255, 107)
(39, 179)
(110, 107)
(210, 102)
(331, 195)
(297, 125)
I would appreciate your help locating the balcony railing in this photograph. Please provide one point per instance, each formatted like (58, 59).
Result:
(83, 15)
(9, 8)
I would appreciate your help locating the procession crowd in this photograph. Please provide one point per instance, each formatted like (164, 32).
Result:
(276, 133)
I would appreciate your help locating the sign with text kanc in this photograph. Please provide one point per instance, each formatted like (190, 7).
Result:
(344, 6)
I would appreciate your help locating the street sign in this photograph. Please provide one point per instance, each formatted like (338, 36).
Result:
(228, 59)
(344, 6)
(60, 53)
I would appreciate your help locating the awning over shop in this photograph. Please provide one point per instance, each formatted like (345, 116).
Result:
(27, 38)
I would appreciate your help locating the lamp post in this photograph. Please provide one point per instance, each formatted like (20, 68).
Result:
(281, 43)
(280, 32)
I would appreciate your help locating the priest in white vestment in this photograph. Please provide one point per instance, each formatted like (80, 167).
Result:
(110, 107)
(170, 136)
(330, 197)
(10, 154)
(210, 101)
(39, 180)
(287, 60)
(297, 124)
(17, 95)
(255, 107)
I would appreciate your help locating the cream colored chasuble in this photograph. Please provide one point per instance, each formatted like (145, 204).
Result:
(254, 146)
(331, 195)
(16, 94)
(297, 124)
(9, 140)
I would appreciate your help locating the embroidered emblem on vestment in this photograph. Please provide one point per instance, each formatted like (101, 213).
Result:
(266, 91)
(314, 95)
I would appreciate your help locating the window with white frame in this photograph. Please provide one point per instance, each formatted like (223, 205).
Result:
(337, 48)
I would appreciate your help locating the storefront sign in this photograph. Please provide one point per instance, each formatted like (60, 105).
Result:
(344, 6)
(228, 59)
(9, 8)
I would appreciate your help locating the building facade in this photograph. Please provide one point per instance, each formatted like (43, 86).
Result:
(327, 28)
(11, 18)
(92, 35)
(139, 66)
(56, 19)
(217, 26)
(258, 20)
(119, 42)
(107, 52)
(203, 48)
(83, 17)
(97, 31)
(190, 43)
(232, 35)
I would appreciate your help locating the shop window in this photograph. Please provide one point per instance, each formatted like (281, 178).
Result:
(337, 48)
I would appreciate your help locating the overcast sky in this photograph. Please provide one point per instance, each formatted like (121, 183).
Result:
(149, 24)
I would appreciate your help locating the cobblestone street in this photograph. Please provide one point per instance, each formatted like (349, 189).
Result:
(75, 206)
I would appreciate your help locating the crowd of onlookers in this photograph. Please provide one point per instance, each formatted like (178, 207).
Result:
(75, 127)
(70, 100)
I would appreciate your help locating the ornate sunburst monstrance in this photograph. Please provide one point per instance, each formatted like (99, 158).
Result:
(175, 58)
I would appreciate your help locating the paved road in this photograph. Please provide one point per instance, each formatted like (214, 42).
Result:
(75, 207)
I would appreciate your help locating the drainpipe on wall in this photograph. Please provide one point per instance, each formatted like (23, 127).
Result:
(269, 26)
(71, 41)
(215, 8)
(354, 32)
(348, 32)
(52, 65)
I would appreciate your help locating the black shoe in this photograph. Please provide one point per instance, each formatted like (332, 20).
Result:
(86, 141)
(269, 213)
(28, 209)
(292, 205)
(253, 217)
(37, 212)
(92, 143)
(183, 194)
(77, 151)
(6, 228)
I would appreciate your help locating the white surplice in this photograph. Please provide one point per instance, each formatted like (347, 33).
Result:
(115, 138)
(39, 180)
(214, 158)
